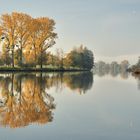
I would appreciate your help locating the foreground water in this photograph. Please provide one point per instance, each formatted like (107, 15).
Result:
(69, 106)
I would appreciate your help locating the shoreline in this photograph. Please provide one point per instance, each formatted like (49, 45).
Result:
(134, 70)
(40, 70)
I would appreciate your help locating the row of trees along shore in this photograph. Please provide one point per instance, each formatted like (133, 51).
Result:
(114, 68)
(25, 40)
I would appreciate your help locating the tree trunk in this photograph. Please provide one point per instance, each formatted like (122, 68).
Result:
(21, 56)
(35, 55)
(41, 64)
(13, 64)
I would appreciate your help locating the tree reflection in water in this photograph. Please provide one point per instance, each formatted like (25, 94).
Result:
(24, 100)
(81, 82)
(137, 77)
(114, 73)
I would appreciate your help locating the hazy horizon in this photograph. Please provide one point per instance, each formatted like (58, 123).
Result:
(110, 28)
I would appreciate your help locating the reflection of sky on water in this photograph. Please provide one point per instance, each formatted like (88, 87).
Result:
(109, 110)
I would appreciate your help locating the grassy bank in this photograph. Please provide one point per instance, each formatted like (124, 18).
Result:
(19, 69)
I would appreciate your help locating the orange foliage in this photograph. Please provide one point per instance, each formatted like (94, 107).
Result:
(26, 106)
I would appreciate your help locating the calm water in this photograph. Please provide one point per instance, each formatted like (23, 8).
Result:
(69, 106)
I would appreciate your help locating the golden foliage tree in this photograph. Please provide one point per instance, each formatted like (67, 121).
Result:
(42, 37)
(33, 36)
(23, 23)
(8, 26)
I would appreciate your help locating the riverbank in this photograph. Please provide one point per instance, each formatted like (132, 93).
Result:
(16, 69)
(135, 71)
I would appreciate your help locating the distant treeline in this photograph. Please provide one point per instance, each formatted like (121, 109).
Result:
(114, 68)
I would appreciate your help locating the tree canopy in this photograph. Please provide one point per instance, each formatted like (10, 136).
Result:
(80, 57)
(27, 36)
(25, 41)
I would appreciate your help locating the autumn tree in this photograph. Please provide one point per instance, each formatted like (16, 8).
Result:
(5, 56)
(8, 27)
(23, 24)
(22, 33)
(42, 37)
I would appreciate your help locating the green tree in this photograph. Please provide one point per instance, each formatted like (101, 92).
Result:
(88, 59)
(80, 58)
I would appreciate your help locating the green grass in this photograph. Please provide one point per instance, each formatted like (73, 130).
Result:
(37, 69)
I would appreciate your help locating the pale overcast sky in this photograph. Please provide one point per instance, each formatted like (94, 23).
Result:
(111, 28)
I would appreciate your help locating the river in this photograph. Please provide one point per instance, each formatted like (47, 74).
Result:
(69, 106)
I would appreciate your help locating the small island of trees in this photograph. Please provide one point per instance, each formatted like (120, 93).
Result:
(135, 68)
(24, 43)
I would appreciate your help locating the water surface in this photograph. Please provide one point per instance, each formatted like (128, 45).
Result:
(69, 106)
